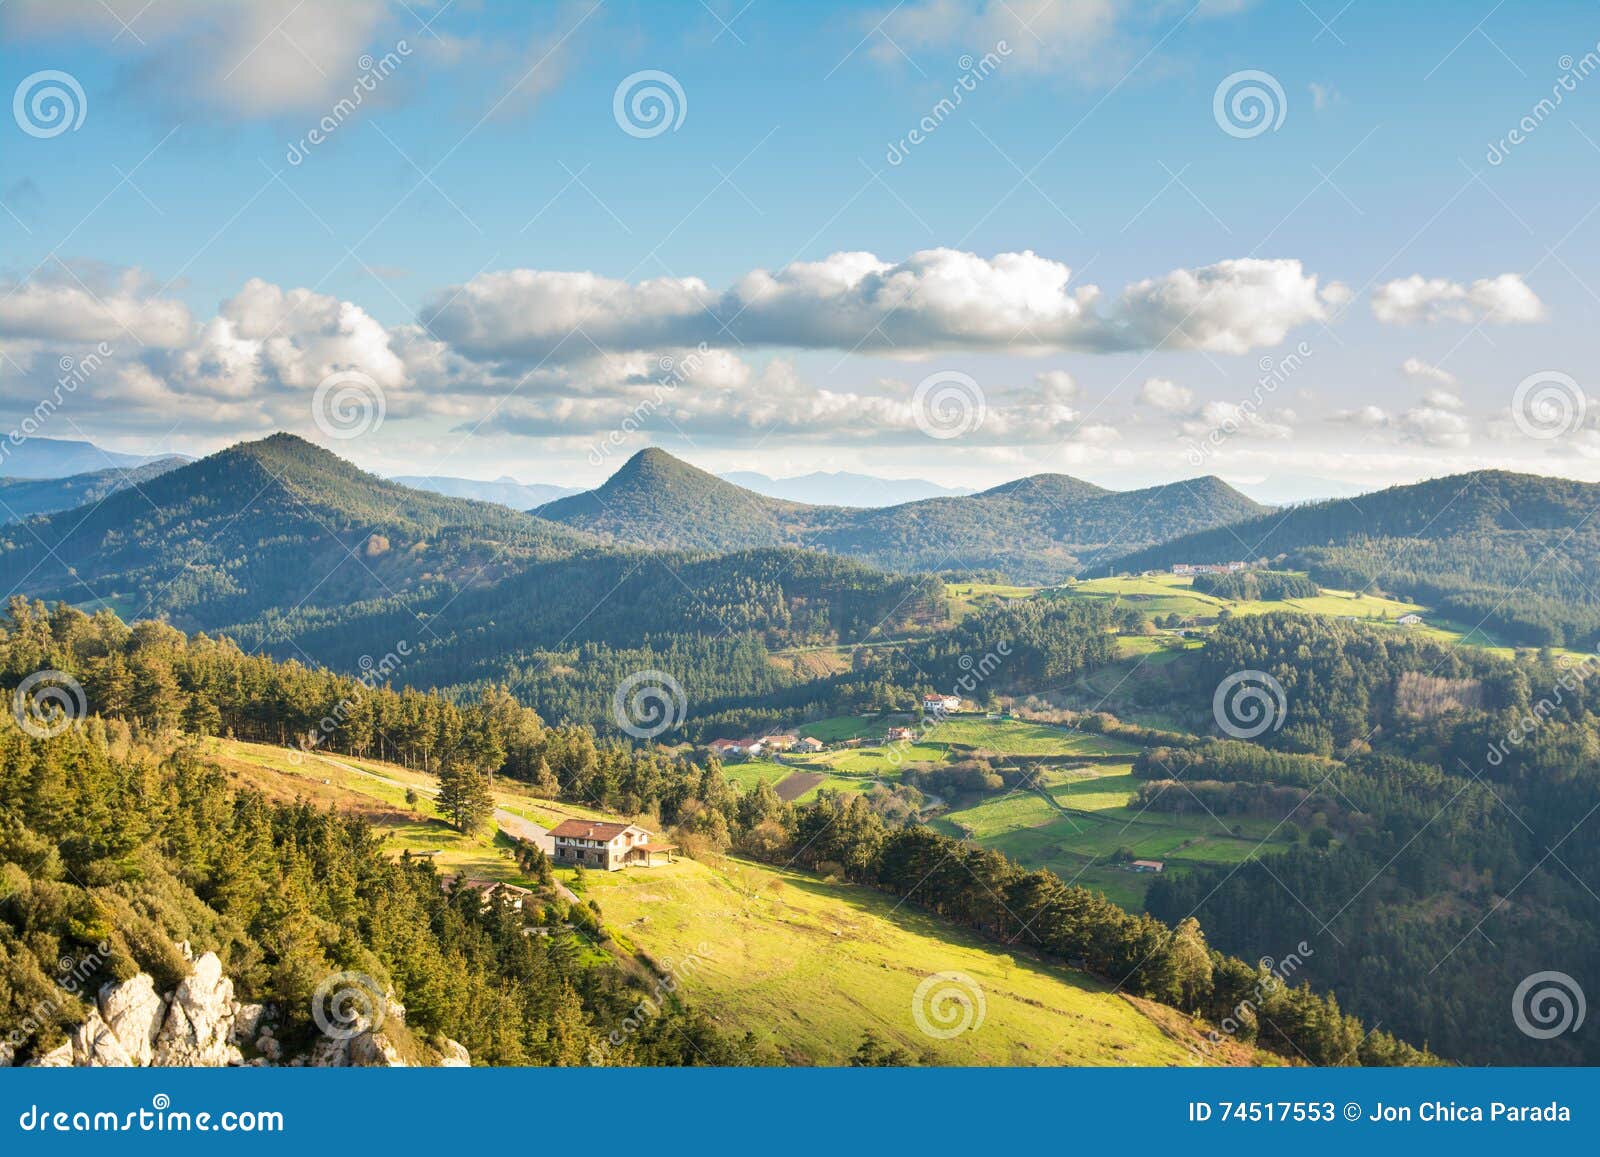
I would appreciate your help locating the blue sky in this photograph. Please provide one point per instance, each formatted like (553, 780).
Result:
(430, 249)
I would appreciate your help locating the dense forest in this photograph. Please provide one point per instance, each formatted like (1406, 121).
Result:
(1253, 585)
(1448, 797)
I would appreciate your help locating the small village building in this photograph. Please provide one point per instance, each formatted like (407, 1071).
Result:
(809, 744)
(753, 746)
(726, 746)
(492, 890)
(1148, 866)
(1410, 620)
(780, 742)
(901, 735)
(941, 704)
(609, 846)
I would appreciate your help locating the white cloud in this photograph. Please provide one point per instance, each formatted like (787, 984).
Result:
(1415, 300)
(1434, 426)
(1088, 37)
(1371, 417)
(1420, 371)
(81, 303)
(1165, 395)
(243, 57)
(935, 299)
(1236, 421)
(1055, 386)
(1231, 307)
(1435, 423)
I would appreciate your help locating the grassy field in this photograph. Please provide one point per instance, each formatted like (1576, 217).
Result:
(377, 791)
(966, 598)
(809, 966)
(1077, 820)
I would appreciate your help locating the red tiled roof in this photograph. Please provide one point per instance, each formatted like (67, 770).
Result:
(589, 829)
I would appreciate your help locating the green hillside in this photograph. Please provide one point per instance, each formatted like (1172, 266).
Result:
(1516, 553)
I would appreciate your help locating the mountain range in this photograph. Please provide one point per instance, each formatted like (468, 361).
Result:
(1044, 527)
(24, 497)
(60, 457)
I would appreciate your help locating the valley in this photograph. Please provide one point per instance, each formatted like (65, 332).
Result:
(449, 674)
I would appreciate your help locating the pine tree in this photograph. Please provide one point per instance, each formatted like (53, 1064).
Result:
(464, 796)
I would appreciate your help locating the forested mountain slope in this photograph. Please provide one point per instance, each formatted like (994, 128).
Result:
(1450, 848)
(266, 525)
(1516, 553)
(1042, 527)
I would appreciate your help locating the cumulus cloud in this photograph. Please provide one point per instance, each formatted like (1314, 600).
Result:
(1420, 371)
(933, 300)
(1416, 300)
(85, 303)
(1165, 395)
(1437, 422)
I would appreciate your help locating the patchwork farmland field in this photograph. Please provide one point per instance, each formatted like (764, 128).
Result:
(1076, 821)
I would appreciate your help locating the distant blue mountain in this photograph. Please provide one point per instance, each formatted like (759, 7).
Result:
(505, 491)
(842, 488)
(60, 458)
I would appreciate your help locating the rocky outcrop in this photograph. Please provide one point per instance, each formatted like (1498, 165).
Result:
(202, 1024)
(134, 1012)
(198, 1031)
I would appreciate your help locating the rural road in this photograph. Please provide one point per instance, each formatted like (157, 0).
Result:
(512, 824)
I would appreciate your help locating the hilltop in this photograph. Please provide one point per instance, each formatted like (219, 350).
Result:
(273, 523)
